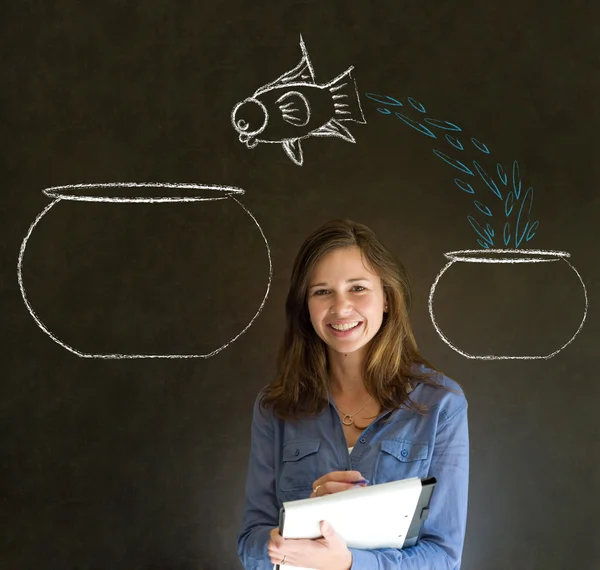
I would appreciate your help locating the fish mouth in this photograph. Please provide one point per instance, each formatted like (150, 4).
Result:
(248, 140)
(247, 113)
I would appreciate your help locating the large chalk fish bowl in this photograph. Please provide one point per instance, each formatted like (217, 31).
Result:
(144, 270)
(508, 303)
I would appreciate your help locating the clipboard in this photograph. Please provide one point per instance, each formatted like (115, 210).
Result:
(387, 515)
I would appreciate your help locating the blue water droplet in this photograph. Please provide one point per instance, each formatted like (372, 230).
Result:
(415, 125)
(384, 111)
(509, 203)
(502, 174)
(453, 162)
(480, 231)
(416, 105)
(490, 183)
(446, 125)
(482, 208)
(483, 244)
(464, 186)
(532, 231)
(523, 217)
(506, 233)
(516, 176)
(490, 230)
(454, 142)
(384, 99)
(480, 146)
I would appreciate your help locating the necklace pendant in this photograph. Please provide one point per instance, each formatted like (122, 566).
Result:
(347, 420)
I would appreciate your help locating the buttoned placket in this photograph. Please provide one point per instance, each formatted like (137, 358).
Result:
(366, 435)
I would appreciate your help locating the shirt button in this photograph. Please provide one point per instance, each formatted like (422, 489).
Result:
(297, 452)
(363, 439)
(404, 453)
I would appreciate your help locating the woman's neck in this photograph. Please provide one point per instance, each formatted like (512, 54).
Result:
(346, 374)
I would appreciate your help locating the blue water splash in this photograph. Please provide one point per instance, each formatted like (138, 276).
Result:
(454, 142)
(502, 174)
(416, 105)
(415, 125)
(490, 183)
(514, 232)
(482, 208)
(464, 186)
(480, 146)
(446, 125)
(453, 162)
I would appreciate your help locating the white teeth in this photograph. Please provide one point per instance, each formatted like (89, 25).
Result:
(345, 326)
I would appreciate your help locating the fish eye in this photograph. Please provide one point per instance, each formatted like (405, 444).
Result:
(249, 117)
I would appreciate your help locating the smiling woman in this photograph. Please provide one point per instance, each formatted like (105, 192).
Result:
(353, 401)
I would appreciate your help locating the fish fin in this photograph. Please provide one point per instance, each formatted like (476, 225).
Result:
(302, 73)
(346, 100)
(293, 149)
(333, 129)
(294, 108)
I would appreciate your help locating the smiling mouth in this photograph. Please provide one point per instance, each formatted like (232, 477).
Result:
(345, 327)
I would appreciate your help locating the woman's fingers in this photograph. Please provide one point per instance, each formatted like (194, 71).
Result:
(339, 476)
(332, 487)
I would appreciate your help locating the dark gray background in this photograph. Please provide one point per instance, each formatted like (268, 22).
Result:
(140, 464)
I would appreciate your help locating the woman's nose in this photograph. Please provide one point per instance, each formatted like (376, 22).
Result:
(340, 305)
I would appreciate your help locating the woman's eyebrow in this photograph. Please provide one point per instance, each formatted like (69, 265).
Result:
(353, 280)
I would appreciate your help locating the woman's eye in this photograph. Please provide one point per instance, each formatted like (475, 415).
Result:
(358, 288)
(320, 292)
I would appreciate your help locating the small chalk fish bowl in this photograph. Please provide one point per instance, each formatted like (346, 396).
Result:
(508, 303)
(144, 270)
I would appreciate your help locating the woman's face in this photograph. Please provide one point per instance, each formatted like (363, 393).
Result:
(345, 300)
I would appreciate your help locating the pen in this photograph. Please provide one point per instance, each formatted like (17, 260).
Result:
(360, 482)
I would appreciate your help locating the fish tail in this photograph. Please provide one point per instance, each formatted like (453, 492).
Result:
(345, 98)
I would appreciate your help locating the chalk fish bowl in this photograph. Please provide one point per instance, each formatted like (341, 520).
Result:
(144, 270)
(504, 304)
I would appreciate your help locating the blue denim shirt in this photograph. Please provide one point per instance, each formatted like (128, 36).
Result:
(286, 457)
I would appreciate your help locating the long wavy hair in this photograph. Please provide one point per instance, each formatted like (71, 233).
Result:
(301, 385)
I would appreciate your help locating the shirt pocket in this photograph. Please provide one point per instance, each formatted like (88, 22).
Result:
(300, 465)
(401, 459)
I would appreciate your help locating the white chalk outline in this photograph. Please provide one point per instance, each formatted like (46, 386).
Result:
(64, 193)
(516, 256)
(305, 72)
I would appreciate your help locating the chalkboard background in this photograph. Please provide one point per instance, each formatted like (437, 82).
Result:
(141, 463)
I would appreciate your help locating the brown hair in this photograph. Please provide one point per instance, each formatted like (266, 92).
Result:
(300, 387)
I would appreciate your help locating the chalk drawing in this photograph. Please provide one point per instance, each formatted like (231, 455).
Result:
(186, 192)
(294, 107)
(514, 224)
(495, 194)
(505, 256)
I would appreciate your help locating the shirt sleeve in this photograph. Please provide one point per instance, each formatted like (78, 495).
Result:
(441, 542)
(261, 513)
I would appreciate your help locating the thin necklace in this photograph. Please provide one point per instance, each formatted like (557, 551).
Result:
(347, 419)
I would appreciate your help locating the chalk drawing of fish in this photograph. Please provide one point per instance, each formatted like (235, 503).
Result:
(295, 107)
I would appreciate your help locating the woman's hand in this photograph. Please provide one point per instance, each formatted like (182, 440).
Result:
(327, 553)
(336, 481)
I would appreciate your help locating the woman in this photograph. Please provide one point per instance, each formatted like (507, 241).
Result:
(353, 399)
